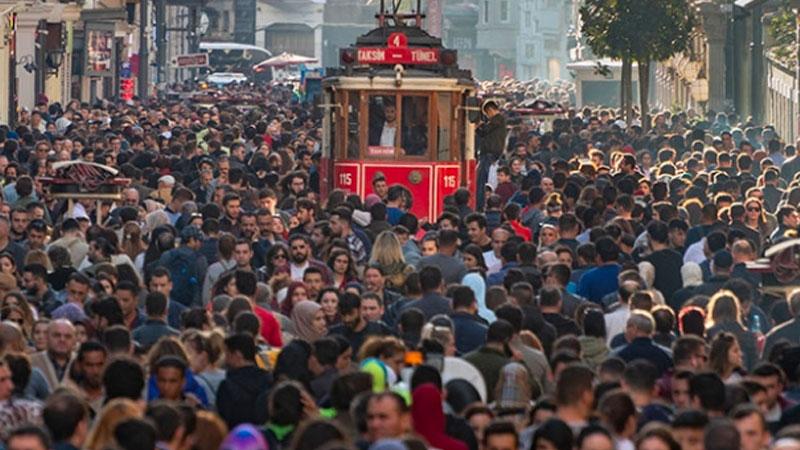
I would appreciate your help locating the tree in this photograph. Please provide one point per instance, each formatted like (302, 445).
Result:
(640, 31)
(602, 22)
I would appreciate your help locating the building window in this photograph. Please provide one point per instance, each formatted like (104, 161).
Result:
(528, 19)
(485, 11)
(226, 21)
(504, 17)
(530, 51)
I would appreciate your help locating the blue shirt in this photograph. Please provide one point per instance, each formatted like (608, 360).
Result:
(393, 215)
(599, 282)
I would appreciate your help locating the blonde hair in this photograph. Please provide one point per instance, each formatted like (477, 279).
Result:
(387, 250)
(723, 306)
(101, 436)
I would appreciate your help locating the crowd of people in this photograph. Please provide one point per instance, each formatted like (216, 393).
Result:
(597, 293)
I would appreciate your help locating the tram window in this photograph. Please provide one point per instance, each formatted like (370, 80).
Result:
(415, 125)
(352, 126)
(382, 126)
(445, 121)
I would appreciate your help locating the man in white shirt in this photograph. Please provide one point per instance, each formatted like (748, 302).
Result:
(389, 129)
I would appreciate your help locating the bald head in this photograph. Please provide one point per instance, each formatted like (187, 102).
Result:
(60, 338)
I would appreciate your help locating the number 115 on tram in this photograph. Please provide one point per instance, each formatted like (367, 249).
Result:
(399, 108)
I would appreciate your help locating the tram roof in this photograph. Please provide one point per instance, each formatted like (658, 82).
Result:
(417, 39)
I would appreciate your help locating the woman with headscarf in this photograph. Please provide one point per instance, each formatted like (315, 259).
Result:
(429, 419)
(513, 393)
(244, 437)
(309, 321)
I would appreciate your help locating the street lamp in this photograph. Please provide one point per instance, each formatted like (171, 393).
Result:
(54, 59)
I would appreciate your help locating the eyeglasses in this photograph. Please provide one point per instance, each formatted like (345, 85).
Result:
(281, 256)
(754, 209)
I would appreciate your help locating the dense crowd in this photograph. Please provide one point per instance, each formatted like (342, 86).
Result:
(597, 293)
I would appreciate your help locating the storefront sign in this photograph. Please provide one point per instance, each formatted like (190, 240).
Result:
(99, 50)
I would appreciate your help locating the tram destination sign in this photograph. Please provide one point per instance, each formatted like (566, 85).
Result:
(390, 56)
(397, 51)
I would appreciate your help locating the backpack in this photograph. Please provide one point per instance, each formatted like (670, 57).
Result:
(183, 270)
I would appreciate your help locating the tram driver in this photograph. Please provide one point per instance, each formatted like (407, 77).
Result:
(384, 126)
(383, 130)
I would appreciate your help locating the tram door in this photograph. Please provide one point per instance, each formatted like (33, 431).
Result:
(413, 138)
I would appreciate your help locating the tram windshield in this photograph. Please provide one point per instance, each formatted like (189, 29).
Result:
(390, 126)
(403, 130)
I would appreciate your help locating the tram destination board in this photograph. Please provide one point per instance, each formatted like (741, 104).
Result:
(381, 55)
(397, 51)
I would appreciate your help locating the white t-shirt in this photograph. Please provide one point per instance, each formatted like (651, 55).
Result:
(298, 271)
(387, 135)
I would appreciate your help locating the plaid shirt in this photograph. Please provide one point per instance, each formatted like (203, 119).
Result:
(16, 412)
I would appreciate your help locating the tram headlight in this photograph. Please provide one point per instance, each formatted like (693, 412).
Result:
(347, 56)
(449, 57)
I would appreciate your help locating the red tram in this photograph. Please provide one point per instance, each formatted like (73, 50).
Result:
(399, 107)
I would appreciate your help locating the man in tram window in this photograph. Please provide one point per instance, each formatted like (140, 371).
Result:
(383, 129)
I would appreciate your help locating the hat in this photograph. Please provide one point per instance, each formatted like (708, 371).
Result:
(69, 311)
(79, 212)
(371, 200)
(723, 260)
(7, 282)
(189, 232)
(168, 179)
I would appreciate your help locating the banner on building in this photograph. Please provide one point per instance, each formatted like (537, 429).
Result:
(99, 50)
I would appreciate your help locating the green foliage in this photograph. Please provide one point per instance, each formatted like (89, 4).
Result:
(783, 30)
(643, 30)
(782, 27)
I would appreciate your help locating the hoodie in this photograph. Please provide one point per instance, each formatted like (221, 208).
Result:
(242, 396)
(429, 419)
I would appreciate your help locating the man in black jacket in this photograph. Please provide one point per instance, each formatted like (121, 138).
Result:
(492, 135)
(242, 395)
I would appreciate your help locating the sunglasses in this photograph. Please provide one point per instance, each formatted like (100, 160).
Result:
(754, 209)
(279, 257)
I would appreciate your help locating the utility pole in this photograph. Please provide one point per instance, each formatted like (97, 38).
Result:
(144, 51)
(161, 41)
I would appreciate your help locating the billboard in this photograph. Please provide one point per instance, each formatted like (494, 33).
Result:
(99, 50)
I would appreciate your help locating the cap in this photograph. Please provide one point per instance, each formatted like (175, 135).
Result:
(168, 179)
(723, 260)
(69, 311)
(189, 232)
(79, 212)
(371, 200)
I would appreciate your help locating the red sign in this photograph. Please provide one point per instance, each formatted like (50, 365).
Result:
(346, 177)
(397, 40)
(398, 52)
(126, 89)
(377, 150)
(379, 55)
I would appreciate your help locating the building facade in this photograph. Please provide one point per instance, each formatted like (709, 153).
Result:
(524, 39)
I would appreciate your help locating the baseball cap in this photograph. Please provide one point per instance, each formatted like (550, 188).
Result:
(168, 179)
